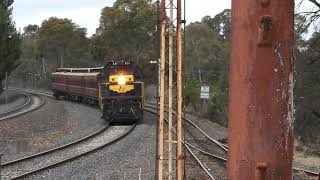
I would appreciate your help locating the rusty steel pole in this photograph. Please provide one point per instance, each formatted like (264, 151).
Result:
(170, 113)
(179, 128)
(161, 92)
(261, 90)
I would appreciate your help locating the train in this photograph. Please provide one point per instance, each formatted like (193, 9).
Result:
(117, 89)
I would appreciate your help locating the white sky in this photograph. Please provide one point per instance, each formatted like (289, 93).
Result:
(86, 13)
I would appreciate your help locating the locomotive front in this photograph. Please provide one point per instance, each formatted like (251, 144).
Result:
(121, 92)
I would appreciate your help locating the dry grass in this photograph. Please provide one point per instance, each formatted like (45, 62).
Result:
(304, 157)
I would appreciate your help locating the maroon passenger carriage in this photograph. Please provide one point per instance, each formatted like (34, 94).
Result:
(77, 84)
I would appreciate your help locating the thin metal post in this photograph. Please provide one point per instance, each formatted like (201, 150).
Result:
(44, 67)
(261, 111)
(6, 88)
(158, 86)
(161, 93)
(61, 61)
(179, 152)
(171, 31)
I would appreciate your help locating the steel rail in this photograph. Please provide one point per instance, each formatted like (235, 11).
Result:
(206, 153)
(10, 163)
(44, 93)
(20, 112)
(25, 103)
(221, 145)
(307, 171)
(56, 164)
(211, 139)
(191, 152)
(225, 147)
(199, 162)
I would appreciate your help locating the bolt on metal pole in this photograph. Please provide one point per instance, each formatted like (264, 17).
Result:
(171, 31)
(161, 92)
(261, 90)
(179, 94)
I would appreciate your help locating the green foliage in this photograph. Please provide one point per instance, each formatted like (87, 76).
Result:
(207, 61)
(127, 31)
(191, 92)
(63, 41)
(221, 23)
(43, 49)
(9, 41)
(307, 96)
(205, 53)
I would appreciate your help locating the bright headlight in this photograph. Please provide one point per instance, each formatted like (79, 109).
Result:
(122, 80)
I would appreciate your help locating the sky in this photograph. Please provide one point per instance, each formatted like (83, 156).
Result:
(86, 13)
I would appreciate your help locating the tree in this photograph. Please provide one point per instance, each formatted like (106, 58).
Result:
(307, 97)
(127, 31)
(221, 23)
(29, 60)
(309, 17)
(207, 53)
(204, 53)
(63, 41)
(9, 41)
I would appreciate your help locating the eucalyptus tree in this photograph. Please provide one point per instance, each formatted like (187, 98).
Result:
(9, 41)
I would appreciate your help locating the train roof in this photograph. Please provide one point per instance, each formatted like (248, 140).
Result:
(75, 74)
(79, 70)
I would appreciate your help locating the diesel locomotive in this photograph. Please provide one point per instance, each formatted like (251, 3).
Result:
(117, 88)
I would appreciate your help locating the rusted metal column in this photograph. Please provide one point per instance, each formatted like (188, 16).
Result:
(170, 113)
(179, 94)
(161, 93)
(261, 90)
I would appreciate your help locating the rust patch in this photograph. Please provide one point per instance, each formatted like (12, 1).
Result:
(265, 27)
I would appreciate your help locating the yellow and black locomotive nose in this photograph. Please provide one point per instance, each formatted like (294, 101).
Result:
(121, 83)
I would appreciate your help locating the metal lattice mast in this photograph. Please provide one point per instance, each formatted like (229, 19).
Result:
(174, 164)
(171, 31)
(179, 129)
(161, 92)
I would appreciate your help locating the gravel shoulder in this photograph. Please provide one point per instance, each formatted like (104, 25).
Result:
(54, 124)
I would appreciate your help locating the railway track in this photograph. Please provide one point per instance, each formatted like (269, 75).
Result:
(190, 146)
(25, 103)
(222, 146)
(31, 165)
(32, 103)
(187, 145)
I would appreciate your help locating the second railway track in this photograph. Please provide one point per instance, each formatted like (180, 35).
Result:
(32, 103)
(200, 152)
